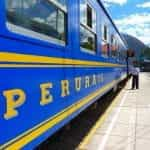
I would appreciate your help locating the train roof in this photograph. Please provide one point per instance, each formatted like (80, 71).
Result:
(104, 9)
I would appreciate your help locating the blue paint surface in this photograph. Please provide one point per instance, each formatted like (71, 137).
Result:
(31, 113)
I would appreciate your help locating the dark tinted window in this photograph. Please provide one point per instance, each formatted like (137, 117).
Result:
(38, 16)
(89, 16)
(105, 32)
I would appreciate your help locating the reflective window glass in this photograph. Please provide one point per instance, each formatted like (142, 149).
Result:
(37, 16)
(89, 16)
(105, 41)
(113, 47)
(62, 2)
(105, 33)
(87, 39)
(87, 26)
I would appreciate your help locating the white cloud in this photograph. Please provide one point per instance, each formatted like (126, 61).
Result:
(135, 19)
(119, 2)
(137, 25)
(144, 5)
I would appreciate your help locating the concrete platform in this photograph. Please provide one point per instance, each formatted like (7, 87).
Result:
(126, 126)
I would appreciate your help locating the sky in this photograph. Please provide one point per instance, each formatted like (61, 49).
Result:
(131, 17)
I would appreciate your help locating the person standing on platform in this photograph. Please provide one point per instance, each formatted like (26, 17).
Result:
(135, 77)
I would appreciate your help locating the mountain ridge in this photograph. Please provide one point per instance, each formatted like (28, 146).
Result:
(134, 44)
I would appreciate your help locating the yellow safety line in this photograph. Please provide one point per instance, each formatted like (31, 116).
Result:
(39, 60)
(100, 122)
(35, 132)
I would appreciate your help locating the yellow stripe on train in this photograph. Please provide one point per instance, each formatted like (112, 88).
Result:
(34, 59)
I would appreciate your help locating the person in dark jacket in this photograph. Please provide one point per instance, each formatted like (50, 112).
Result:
(135, 77)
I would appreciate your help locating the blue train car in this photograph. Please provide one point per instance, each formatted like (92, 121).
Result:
(57, 57)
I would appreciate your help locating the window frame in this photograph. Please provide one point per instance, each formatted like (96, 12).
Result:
(30, 34)
(86, 27)
(95, 43)
(113, 41)
(89, 20)
(58, 5)
(105, 41)
(105, 32)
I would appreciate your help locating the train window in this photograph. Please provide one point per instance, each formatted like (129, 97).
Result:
(87, 27)
(112, 39)
(113, 46)
(105, 41)
(105, 33)
(89, 16)
(23, 17)
(116, 44)
(87, 40)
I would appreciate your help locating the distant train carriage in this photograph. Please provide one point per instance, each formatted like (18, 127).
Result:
(57, 57)
(145, 65)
